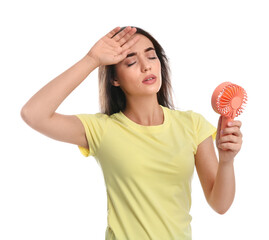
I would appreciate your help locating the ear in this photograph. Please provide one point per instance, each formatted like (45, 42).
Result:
(115, 82)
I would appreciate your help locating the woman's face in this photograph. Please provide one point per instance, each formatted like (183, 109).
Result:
(139, 64)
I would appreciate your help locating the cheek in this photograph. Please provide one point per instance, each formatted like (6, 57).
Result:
(127, 74)
(120, 74)
(159, 70)
(127, 77)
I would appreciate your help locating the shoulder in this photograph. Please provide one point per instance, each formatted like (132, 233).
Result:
(186, 116)
(91, 116)
(93, 119)
(188, 119)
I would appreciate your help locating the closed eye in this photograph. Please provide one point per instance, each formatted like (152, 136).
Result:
(129, 65)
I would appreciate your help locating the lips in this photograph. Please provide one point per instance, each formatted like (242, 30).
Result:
(151, 76)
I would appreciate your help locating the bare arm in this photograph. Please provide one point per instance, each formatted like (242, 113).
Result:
(39, 111)
(217, 178)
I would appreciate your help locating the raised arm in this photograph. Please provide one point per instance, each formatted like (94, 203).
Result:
(40, 111)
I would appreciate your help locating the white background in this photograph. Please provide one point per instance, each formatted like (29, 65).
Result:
(48, 190)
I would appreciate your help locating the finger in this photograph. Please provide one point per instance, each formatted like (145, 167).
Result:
(127, 37)
(113, 32)
(121, 34)
(235, 123)
(232, 131)
(230, 146)
(238, 133)
(229, 138)
(121, 56)
(130, 43)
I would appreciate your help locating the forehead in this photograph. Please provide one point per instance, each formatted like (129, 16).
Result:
(141, 44)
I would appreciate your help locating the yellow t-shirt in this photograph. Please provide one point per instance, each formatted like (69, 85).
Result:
(147, 172)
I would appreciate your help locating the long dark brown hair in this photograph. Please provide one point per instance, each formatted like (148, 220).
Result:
(112, 99)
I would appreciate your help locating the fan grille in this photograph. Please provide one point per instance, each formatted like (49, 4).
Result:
(226, 100)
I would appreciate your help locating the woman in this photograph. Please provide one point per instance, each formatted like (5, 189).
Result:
(147, 150)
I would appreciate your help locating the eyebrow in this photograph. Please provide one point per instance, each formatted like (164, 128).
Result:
(134, 53)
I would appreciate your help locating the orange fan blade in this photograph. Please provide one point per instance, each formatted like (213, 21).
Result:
(228, 100)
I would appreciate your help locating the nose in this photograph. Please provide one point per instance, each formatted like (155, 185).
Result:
(145, 66)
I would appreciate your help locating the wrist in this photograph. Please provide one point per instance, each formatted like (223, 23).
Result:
(91, 61)
(226, 163)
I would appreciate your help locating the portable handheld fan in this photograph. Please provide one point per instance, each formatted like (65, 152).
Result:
(228, 100)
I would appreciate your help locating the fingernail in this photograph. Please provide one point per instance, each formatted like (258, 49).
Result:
(230, 124)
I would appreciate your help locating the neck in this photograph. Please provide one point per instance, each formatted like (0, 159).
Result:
(144, 111)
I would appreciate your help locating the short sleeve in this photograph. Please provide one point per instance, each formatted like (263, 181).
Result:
(95, 127)
(202, 129)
